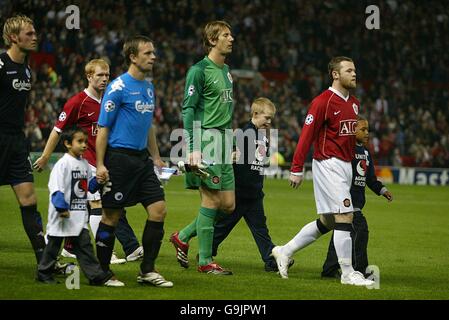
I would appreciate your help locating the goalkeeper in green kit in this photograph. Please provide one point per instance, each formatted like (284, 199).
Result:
(207, 113)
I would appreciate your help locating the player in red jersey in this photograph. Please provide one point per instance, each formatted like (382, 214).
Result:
(330, 126)
(83, 110)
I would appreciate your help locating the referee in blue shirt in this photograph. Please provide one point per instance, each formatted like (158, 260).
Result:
(125, 137)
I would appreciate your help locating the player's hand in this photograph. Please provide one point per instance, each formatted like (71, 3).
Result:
(388, 195)
(159, 163)
(236, 156)
(102, 174)
(65, 214)
(194, 159)
(295, 181)
(106, 188)
(40, 163)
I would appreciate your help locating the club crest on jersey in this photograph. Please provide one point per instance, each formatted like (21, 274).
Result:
(347, 127)
(309, 119)
(109, 106)
(144, 107)
(347, 203)
(229, 77)
(216, 180)
(28, 73)
(150, 92)
(356, 108)
(261, 150)
(62, 116)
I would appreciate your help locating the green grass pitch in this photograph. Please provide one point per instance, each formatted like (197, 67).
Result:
(408, 242)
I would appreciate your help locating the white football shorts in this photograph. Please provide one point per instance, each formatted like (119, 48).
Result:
(332, 180)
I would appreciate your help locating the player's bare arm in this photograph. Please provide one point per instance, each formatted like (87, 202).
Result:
(100, 146)
(154, 149)
(50, 146)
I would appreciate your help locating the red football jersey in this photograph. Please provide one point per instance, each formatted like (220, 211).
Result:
(330, 124)
(82, 110)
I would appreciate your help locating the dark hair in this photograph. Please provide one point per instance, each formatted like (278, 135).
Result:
(69, 133)
(131, 46)
(334, 64)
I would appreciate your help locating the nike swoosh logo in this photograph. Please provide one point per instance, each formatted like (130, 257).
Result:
(336, 112)
(215, 81)
(89, 114)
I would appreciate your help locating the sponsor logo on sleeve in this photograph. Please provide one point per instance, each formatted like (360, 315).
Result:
(116, 85)
(191, 90)
(62, 116)
(309, 119)
(109, 106)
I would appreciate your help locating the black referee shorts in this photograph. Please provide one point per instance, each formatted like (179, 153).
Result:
(133, 179)
(15, 162)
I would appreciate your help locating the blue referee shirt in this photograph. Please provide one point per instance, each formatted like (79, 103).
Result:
(127, 110)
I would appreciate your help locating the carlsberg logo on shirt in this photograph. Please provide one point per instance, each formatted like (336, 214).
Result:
(144, 107)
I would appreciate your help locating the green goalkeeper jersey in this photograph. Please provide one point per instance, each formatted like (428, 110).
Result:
(207, 97)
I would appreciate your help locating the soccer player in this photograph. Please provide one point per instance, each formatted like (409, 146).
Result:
(124, 138)
(249, 176)
(20, 39)
(208, 104)
(363, 175)
(69, 183)
(330, 126)
(83, 109)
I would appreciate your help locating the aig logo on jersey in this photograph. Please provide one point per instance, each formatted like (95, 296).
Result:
(226, 95)
(143, 107)
(347, 127)
(78, 196)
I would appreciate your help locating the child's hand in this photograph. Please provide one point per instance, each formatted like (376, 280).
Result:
(65, 214)
(388, 195)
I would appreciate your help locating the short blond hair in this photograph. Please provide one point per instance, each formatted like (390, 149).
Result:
(89, 69)
(260, 105)
(13, 26)
(211, 32)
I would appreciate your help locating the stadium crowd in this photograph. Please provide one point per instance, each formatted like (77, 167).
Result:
(402, 68)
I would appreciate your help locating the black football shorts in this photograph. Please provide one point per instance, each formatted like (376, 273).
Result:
(133, 179)
(15, 162)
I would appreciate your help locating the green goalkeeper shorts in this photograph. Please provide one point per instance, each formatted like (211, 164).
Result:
(221, 178)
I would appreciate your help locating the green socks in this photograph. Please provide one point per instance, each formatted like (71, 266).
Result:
(205, 230)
